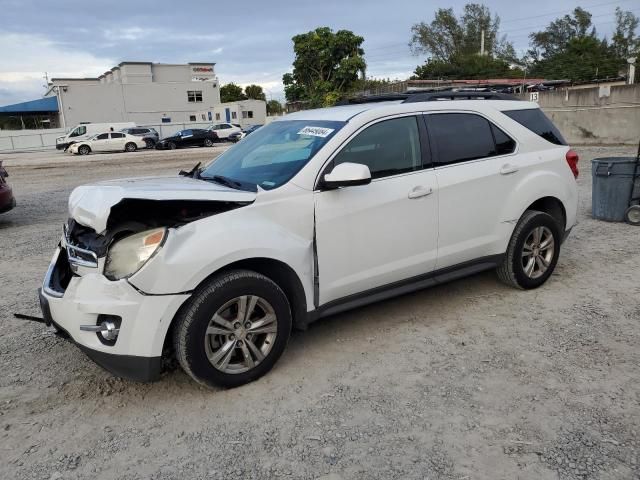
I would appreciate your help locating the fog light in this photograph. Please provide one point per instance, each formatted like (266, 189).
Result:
(107, 329)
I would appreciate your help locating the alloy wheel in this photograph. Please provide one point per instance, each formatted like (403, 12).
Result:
(537, 252)
(241, 334)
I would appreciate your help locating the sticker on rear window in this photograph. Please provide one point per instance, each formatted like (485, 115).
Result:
(316, 131)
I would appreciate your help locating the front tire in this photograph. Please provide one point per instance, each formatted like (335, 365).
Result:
(233, 330)
(84, 150)
(208, 142)
(533, 251)
(130, 147)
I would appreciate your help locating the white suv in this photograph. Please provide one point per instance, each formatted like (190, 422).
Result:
(316, 213)
(223, 130)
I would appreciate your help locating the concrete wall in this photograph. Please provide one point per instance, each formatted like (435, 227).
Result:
(607, 115)
(15, 140)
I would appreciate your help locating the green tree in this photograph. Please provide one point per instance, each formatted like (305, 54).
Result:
(448, 37)
(466, 66)
(555, 38)
(254, 92)
(326, 66)
(624, 42)
(582, 58)
(231, 93)
(570, 48)
(274, 107)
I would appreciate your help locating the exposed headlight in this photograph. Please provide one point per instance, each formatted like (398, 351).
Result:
(128, 255)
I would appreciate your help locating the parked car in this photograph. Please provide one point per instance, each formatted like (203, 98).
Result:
(7, 200)
(85, 131)
(223, 130)
(108, 142)
(318, 212)
(193, 137)
(234, 137)
(148, 134)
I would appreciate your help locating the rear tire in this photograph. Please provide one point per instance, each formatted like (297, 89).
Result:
(130, 147)
(84, 150)
(172, 146)
(208, 142)
(250, 332)
(150, 142)
(632, 215)
(532, 252)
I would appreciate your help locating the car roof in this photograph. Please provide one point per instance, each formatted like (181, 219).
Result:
(345, 113)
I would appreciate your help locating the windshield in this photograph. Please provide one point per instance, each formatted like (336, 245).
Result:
(273, 154)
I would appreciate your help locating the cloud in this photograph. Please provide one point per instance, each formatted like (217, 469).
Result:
(156, 35)
(26, 58)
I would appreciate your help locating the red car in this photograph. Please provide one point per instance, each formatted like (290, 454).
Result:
(7, 202)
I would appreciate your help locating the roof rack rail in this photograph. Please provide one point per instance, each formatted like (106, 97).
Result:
(451, 95)
(421, 96)
(385, 97)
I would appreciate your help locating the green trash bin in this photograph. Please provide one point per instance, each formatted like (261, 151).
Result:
(612, 181)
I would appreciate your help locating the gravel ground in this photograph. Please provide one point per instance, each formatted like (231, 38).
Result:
(470, 380)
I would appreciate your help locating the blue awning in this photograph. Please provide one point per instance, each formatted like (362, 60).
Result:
(42, 105)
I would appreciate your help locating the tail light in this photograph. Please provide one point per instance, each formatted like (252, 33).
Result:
(572, 160)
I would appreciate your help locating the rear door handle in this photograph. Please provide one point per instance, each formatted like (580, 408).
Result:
(420, 191)
(507, 168)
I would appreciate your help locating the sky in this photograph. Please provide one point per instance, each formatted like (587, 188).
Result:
(250, 41)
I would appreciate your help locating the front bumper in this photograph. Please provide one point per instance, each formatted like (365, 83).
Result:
(62, 146)
(145, 319)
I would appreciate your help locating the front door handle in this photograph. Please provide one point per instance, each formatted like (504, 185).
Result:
(420, 191)
(507, 168)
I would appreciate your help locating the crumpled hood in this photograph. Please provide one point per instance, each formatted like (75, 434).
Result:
(90, 205)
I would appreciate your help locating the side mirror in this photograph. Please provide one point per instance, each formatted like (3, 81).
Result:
(347, 175)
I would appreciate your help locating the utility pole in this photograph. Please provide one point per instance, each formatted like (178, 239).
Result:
(482, 43)
(632, 70)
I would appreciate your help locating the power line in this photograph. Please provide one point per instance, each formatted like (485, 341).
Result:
(560, 12)
(528, 29)
(543, 26)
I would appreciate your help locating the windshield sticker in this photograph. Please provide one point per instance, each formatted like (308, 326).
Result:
(316, 131)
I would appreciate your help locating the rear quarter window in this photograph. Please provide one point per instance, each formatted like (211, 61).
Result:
(536, 121)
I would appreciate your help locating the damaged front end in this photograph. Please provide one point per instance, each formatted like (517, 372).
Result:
(131, 216)
(115, 227)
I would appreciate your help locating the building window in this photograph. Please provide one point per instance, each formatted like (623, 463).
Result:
(244, 114)
(194, 95)
(166, 119)
(217, 116)
(234, 115)
(192, 118)
(250, 113)
(204, 117)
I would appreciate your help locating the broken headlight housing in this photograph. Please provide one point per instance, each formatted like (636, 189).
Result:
(128, 255)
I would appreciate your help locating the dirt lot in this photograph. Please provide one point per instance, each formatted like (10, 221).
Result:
(471, 380)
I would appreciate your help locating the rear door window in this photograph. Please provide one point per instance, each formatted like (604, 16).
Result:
(459, 137)
(504, 143)
(536, 121)
(117, 135)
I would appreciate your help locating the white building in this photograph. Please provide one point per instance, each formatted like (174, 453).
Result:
(151, 94)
